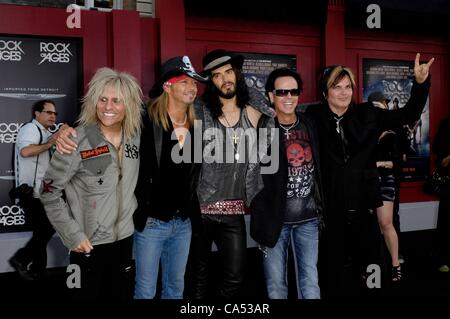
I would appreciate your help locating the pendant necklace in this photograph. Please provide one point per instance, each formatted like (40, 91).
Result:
(286, 129)
(235, 138)
(180, 136)
(338, 120)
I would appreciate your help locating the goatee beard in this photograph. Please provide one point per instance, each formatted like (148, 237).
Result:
(228, 95)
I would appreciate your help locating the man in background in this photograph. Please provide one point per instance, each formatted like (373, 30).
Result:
(32, 155)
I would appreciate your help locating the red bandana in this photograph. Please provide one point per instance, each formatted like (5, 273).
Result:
(175, 79)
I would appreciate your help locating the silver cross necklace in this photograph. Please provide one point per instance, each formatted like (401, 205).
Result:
(286, 129)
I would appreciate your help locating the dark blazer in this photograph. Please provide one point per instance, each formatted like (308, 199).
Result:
(149, 177)
(268, 207)
(348, 165)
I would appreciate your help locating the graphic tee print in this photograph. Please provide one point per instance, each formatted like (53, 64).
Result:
(300, 203)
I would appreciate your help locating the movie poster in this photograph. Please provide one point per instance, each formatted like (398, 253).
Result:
(257, 67)
(395, 79)
(32, 69)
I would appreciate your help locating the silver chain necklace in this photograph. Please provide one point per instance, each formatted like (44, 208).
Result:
(235, 137)
(286, 129)
(338, 120)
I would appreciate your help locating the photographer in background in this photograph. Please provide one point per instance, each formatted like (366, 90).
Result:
(32, 155)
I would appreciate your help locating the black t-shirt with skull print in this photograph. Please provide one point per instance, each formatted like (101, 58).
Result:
(300, 203)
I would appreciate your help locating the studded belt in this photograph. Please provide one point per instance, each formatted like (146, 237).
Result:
(225, 207)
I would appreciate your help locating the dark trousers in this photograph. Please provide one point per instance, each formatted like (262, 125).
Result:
(229, 234)
(35, 250)
(443, 231)
(347, 246)
(106, 272)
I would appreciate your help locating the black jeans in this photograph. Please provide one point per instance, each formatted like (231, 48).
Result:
(443, 231)
(35, 250)
(229, 234)
(350, 242)
(106, 272)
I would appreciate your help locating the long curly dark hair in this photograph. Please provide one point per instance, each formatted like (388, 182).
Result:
(211, 95)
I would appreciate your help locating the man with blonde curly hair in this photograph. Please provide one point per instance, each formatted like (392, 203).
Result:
(94, 219)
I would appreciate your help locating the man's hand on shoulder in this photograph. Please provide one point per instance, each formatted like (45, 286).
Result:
(64, 144)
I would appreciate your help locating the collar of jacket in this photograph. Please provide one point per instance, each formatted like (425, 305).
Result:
(94, 135)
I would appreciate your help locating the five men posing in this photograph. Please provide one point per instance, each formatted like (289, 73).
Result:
(287, 205)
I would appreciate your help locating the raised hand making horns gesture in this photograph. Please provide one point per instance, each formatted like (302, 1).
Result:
(421, 71)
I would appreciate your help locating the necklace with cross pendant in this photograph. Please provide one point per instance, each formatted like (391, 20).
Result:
(235, 138)
(286, 129)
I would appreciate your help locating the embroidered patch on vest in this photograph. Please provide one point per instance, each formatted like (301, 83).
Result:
(95, 152)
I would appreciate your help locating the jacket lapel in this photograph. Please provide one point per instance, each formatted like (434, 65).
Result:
(158, 134)
(281, 145)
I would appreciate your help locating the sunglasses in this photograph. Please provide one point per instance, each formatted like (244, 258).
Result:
(285, 92)
(50, 113)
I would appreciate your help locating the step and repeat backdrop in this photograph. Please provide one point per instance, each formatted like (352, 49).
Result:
(32, 69)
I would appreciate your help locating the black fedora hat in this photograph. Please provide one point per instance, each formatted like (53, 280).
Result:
(377, 96)
(217, 58)
(174, 67)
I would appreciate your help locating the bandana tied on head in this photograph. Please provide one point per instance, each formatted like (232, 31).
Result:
(172, 71)
(174, 80)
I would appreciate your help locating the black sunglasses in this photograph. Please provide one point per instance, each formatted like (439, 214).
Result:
(285, 92)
